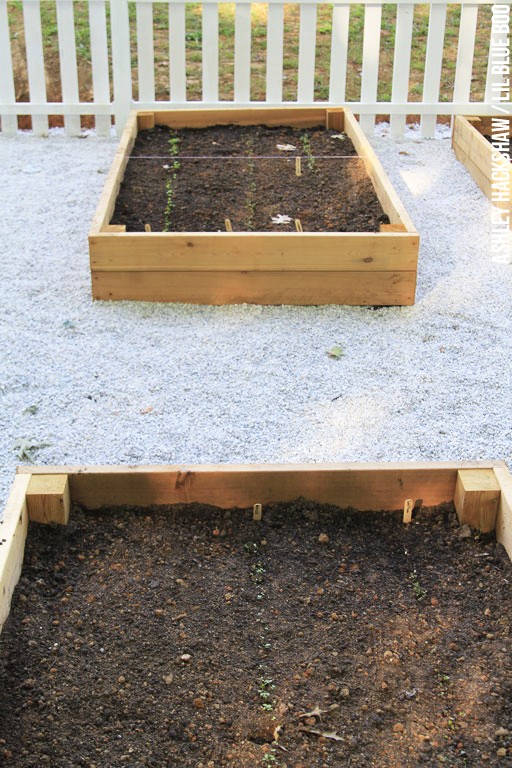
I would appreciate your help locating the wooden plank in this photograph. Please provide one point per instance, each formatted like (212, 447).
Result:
(7, 92)
(35, 62)
(363, 486)
(107, 200)
(339, 52)
(99, 61)
(242, 78)
(48, 499)
(302, 288)
(145, 52)
(388, 198)
(68, 64)
(177, 60)
(210, 49)
(401, 64)
(370, 71)
(13, 532)
(475, 153)
(477, 495)
(269, 251)
(433, 65)
(301, 117)
(307, 48)
(504, 516)
(275, 35)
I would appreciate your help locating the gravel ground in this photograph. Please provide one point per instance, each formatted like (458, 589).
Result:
(90, 383)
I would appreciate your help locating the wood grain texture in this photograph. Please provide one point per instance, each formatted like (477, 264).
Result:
(474, 151)
(13, 532)
(48, 499)
(267, 251)
(258, 287)
(363, 486)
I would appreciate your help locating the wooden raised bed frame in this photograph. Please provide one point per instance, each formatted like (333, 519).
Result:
(258, 268)
(481, 491)
(474, 151)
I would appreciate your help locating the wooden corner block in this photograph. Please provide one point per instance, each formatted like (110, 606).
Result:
(334, 119)
(48, 499)
(477, 495)
(145, 121)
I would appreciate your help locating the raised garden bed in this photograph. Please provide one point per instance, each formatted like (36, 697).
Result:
(472, 147)
(261, 264)
(202, 635)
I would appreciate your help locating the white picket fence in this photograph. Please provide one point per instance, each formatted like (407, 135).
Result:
(111, 61)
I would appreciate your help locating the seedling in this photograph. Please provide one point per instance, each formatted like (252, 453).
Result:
(419, 592)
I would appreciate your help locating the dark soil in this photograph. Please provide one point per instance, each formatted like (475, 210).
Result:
(195, 637)
(192, 180)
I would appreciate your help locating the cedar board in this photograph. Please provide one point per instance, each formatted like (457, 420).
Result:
(307, 268)
(474, 151)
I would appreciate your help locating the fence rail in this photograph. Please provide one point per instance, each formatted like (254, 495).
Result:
(113, 58)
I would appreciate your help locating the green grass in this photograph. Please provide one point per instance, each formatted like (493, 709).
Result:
(258, 53)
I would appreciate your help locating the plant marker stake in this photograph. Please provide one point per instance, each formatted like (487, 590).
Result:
(298, 166)
(408, 506)
(298, 225)
(147, 227)
(256, 513)
(227, 222)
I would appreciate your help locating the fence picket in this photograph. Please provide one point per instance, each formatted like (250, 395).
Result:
(210, 30)
(465, 53)
(339, 51)
(116, 36)
(145, 52)
(177, 61)
(35, 61)
(401, 63)
(121, 61)
(99, 60)
(242, 52)
(307, 50)
(68, 65)
(7, 93)
(371, 50)
(433, 65)
(275, 33)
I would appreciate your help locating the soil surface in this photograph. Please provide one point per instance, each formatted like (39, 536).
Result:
(192, 180)
(196, 637)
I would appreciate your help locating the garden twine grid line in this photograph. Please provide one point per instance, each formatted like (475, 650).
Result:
(291, 156)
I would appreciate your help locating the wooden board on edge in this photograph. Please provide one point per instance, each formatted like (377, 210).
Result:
(363, 486)
(13, 532)
(301, 288)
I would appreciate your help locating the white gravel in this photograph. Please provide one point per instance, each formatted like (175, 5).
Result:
(101, 383)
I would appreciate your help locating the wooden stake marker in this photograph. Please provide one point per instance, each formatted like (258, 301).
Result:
(147, 227)
(298, 166)
(227, 223)
(257, 511)
(408, 507)
(298, 225)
